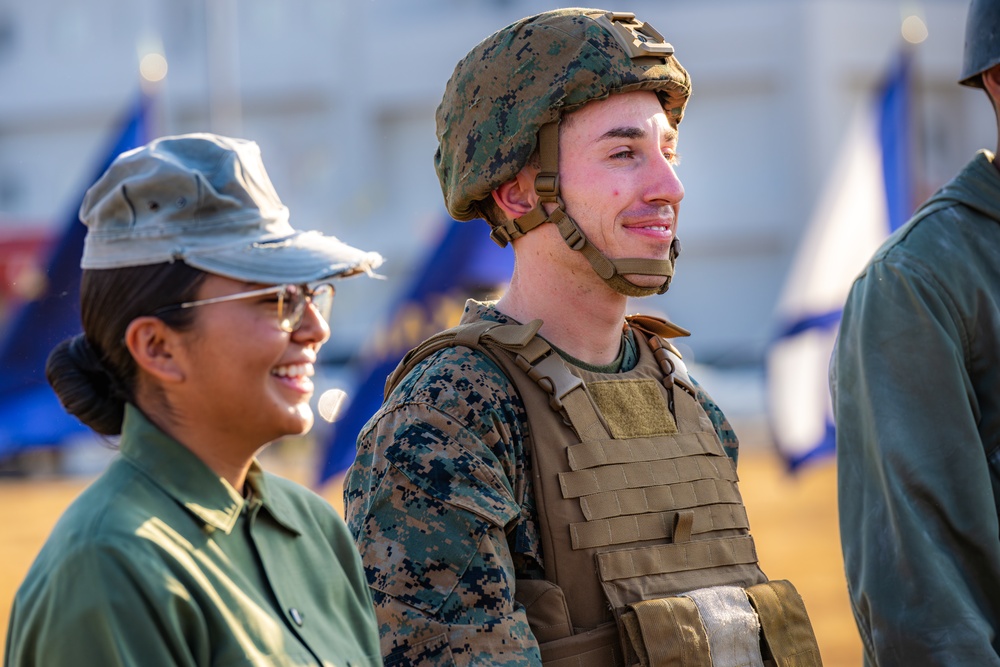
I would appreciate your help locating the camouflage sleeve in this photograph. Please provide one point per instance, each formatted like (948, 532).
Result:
(730, 443)
(430, 500)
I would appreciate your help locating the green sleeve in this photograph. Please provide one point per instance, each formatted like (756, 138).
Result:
(102, 607)
(917, 515)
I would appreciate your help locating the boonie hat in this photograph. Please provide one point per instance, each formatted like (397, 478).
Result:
(207, 200)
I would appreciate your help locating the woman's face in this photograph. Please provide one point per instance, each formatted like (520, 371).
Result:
(244, 376)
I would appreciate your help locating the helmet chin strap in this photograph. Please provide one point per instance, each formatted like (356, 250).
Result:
(611, 271)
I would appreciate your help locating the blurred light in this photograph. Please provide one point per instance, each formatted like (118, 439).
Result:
(153, 67)
(330, 403)
(914, 29)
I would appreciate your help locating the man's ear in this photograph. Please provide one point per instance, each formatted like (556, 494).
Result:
(517, 196)
(154, 346)
(991, 82)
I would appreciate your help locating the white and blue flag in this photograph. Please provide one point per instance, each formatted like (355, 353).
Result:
(869, 194)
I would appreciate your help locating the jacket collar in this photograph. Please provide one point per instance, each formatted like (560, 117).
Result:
(183, 476)
(976, 186)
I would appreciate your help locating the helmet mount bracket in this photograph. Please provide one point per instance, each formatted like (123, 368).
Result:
(637, 38)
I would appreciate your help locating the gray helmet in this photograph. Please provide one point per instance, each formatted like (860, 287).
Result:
(507, 96)
(982, 41)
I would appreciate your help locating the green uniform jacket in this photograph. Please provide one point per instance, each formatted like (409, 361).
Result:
(915, 380)
(161, 562)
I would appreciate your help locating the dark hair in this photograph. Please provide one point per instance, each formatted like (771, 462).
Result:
(491, 212)
(93, 374)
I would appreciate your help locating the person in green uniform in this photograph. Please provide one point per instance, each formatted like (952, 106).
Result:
(915, 380)
(203, 312)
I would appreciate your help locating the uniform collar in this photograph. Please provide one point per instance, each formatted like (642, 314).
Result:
(628, 355)
(976, 186)
(183, 476)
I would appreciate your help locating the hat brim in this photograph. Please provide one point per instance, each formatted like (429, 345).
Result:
(302, 257)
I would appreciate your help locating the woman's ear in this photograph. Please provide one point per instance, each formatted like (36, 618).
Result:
(517, 196)
(155, 346)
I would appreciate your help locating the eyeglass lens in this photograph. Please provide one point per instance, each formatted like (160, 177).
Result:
(292, 304)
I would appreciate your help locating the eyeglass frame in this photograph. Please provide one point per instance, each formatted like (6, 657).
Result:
(286, 324)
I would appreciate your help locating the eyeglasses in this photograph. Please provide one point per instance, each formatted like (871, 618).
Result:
(292, 301)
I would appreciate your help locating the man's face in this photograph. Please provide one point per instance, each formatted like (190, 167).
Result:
(617, 179)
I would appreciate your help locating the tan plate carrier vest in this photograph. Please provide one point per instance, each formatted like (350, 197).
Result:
(638, 504)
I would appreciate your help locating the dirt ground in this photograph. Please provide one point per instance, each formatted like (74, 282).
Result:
(793, 519)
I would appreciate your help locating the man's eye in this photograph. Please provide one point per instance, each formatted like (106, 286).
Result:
(622, 155)
(673, 157)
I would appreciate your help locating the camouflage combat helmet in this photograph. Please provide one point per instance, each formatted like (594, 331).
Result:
(506, 98)
(982, 41)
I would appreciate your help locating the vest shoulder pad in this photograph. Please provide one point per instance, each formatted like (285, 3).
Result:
(482, 335)
(656, 326)
(659, 328)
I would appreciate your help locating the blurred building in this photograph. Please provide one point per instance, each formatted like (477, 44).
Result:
(341, 97)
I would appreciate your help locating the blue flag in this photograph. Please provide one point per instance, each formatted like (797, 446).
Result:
(30, 413)
(465, 262)
(870, 194)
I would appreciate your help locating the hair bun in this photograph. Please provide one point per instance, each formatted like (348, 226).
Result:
(84, 385)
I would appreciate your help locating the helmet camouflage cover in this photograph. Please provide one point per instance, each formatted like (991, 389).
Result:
(525, 76)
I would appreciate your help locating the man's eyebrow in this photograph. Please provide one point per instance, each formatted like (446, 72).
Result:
(623, 133)
(631, 132)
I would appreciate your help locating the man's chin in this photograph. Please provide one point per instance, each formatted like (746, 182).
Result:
(644, 280)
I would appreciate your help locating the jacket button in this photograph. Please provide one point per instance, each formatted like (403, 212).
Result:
(296, 616)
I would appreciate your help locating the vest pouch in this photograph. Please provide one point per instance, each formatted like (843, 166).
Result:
(666, 631)
(702, 628)
(787, 634)
(593, 648)
(549, 618)
(764, 625)
(546, 609)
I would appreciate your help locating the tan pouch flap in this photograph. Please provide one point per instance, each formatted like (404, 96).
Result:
(785, 624)
(667, 632)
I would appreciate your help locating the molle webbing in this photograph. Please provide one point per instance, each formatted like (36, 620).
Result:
(673, 557)
(640, 475)
(692, 494)
(604, 452)
(639, 528)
